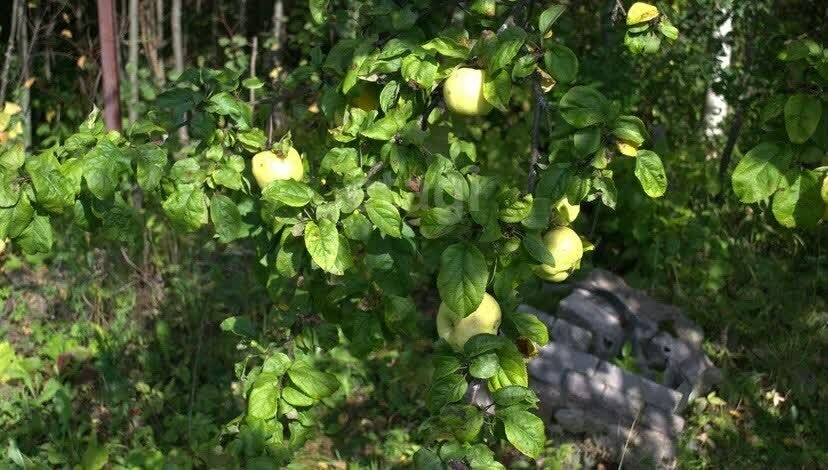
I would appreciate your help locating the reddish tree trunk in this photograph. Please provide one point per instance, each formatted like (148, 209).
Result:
(109, 65)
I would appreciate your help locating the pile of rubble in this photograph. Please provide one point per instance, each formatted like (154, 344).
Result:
(633, 410)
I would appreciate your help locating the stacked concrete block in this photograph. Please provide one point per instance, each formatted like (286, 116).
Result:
(582, 387)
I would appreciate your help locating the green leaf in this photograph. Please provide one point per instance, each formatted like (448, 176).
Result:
(225, 104)
(497, 89)
(344, 257)
(340, 160)
(312, 381)
(388, 95)
(263, 402)
(357, 227)
(483, 343)
(561, 63)
(630, 129)
(322, 242)
(187, 207)
(548, 18)
(758, 174)
(650, 172)
(54, 191)
(13, 157)
(802, 115)
(516, 209)
(102, 169)
(37, 237)
(425, 459)
(484, 366)
(508, 44)
(515, 395)
(289, 192)
(226, 218)
(668, 30)
(318, 9)
(587, 141)
(448, 389)
(152, 164)
(241, 326)
(385, 216)
(438, 221)
(15, 219)
(462, 278)
(800, 205)
(524, 430)
(278, 363)
(528, 326)
(512, 369)
(536, 248)
(422, 71)
(448, 47)
(583, 107)
(296, 398)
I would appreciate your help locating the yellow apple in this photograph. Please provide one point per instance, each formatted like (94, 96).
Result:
(463, 92)
(565, 213)
(269, 167)
(456, 330)
(2, 246)
(365, 97)
(566, 247)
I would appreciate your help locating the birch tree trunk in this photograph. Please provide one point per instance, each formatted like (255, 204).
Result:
(25, 57)
(15, 21)
(132, 66)
(716, 107)
(178, 54)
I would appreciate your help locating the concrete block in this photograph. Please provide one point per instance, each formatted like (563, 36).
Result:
(662, 421)
(620, 402)
(571, 419)
(564, 332)
(581, 389)
(553, 359)
(598, 315)
(633, 385)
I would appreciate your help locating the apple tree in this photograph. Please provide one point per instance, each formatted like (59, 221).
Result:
(426, 155)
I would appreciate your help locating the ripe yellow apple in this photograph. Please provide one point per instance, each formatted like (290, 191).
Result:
(457, 330)
(365, 97)
(2, 246)
(564, 212)
(269, 167)
(463, 92)
(566, 247)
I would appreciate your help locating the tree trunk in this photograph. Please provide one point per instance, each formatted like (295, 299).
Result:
(716, 107)
(15, 21)
(25, 57)
(243, 17)
(133, 60)
(276, 57)
(109, 65)
(178, 54)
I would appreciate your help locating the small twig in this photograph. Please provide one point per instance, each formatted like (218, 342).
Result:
(253, 56)
(537, 98)
(629, 437)
(374, 170)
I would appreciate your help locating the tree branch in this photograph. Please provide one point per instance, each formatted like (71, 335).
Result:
(539, 104)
